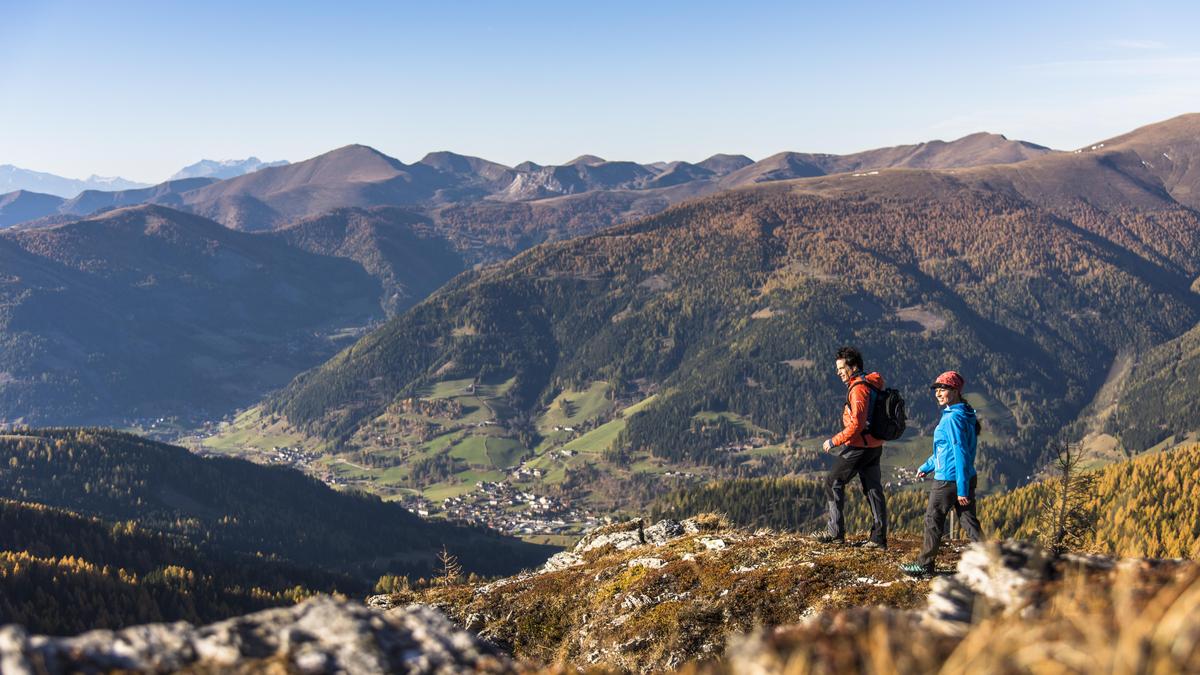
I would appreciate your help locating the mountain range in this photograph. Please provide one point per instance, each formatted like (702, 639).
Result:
(362, 177)
(14, 178)
(145, 311)
(717, 314)
(353, 203)
(1124, 206)
(225, 168)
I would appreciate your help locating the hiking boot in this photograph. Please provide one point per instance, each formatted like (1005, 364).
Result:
(823, 537)
(874, 546)
(914, 569)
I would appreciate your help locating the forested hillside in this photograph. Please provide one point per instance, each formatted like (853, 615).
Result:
(147, 312)
(735, 304)
(1145, 506)
(1159, 397)
(397, 247)
(62, 573)
(235, 506)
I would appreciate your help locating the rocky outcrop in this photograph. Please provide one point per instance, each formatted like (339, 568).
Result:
(636, 596)
(320, 635)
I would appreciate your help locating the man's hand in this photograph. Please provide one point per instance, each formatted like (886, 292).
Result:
(828, 446)
(963, 501)
(921, 475)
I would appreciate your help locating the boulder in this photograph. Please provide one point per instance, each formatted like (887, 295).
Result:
(320, 635)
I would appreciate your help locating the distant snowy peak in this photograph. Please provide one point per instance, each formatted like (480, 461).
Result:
(225, 168)
(13, 178)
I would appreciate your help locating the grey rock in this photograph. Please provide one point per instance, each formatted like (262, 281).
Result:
(663, 531)
(321, 635)
(561, 561)
(620, 541)
(382, 602)
(652, 563)
(1002, 576)
(636, 601)
(1006, 573)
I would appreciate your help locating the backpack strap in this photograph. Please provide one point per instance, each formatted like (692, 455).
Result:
(872, 392)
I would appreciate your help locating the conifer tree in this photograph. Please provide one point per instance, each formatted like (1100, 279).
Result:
(1065, 517)
(451, 569)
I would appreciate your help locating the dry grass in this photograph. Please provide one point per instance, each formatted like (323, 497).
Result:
(1140, 619)
(615, 611)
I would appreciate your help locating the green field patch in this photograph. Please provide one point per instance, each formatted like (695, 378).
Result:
(639, 406)
(495, 388)
(472, 477)
(552, 440)
(572, 408)
(767, 451)
(447, 389)
(486, 450)
(251, 433)
(439, 444)
(557, 474)
(553, 467)
(597, 440)
(393, 476)
(400, 493)
(344, 468)
(439, 491)
(734, 418)
(504, 452)
(473, 450)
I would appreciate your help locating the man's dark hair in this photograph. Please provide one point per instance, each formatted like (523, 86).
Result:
(851, 356)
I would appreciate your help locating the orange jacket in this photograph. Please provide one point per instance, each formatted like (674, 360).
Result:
(854, 416)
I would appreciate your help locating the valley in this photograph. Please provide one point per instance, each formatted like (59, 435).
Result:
(456, 452)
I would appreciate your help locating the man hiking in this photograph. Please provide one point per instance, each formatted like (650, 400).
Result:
(953, 466)
(858, 453)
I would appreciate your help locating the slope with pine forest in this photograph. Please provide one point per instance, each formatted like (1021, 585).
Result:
(233, 507)
(147, 312)
(726, 310)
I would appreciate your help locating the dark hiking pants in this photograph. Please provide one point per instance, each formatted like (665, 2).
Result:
(943, 498)
(864, 463)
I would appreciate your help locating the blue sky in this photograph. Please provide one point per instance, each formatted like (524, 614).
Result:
(139, 89)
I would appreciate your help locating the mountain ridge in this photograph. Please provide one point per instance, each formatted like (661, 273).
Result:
(712, 302)
(225, 168)
(358, 176)
(13, 178)
(148, 311)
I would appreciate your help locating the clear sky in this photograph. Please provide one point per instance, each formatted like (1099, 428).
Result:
(140, 89)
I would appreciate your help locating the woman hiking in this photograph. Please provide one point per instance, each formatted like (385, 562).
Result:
(953, 466)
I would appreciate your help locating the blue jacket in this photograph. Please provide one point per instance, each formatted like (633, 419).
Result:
(953, 455)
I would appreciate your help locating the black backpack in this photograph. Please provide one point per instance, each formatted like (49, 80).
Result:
(886, 418)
